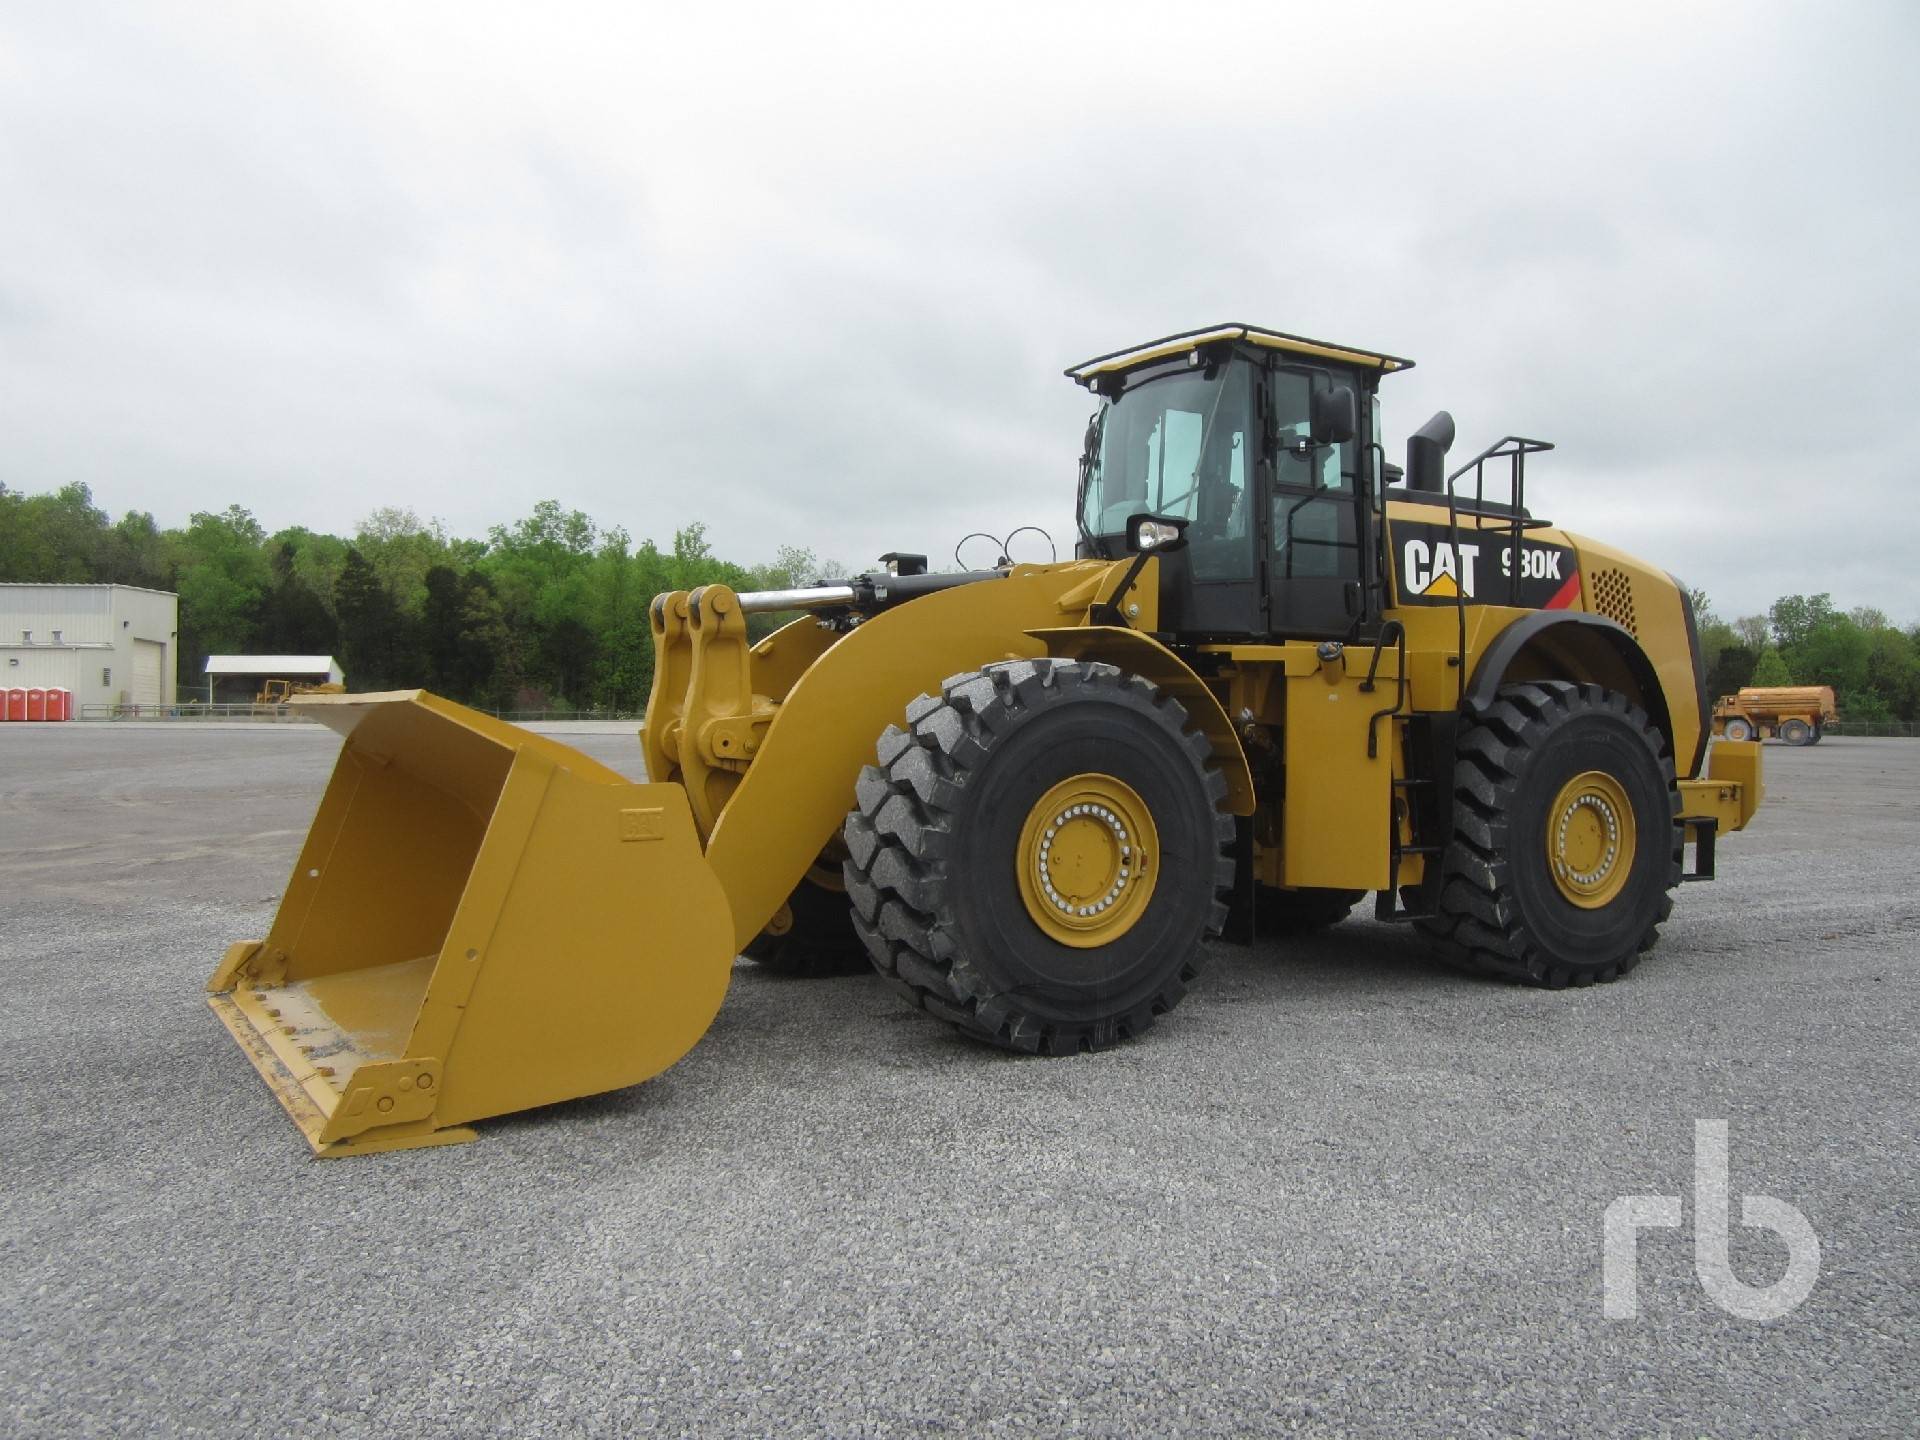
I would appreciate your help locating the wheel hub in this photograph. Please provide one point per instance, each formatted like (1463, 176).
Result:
(1591, 838)
(1088, 858)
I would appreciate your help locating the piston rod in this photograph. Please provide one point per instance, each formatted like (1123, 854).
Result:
(817, 597)
(877, 591)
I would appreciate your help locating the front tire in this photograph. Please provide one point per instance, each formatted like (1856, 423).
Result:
(1738, 729)
(1039, 857)
(1567, 839)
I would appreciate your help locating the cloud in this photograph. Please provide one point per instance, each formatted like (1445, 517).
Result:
(810, 274)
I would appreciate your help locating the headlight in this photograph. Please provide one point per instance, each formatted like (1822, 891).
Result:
(1151, 534)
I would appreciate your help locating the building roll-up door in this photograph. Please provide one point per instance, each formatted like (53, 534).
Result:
(147, 658)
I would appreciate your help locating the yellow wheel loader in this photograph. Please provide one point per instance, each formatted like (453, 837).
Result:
(279, 692)
(1278, 674)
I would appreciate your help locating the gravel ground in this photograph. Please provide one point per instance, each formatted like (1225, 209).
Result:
(1339, 1190)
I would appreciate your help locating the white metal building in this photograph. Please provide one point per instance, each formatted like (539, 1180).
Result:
(239, 677)
(108, 644)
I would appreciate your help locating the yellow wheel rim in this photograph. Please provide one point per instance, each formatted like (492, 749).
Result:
(1591, 839)
(825, 870)
(1087, 861)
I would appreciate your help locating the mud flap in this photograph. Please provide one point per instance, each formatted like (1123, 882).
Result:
(481, 920)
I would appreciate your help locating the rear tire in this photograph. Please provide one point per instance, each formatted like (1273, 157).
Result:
(1546, 760)
(820, 942)
(1796, 732)
(1738, 729)
(948, 859)
(1289, 913)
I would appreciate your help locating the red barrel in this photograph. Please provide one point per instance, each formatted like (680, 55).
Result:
(16, 704)
(36, 704)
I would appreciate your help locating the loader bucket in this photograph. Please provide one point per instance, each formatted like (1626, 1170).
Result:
(481, 920)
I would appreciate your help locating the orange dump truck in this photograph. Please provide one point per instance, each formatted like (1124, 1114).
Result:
(1797, 714)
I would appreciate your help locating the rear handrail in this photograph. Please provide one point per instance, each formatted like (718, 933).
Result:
(1514, 449)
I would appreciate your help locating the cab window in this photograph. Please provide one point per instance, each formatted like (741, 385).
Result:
(1311, 527)
(1179, 445)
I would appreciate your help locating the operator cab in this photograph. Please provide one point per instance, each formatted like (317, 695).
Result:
(1254, 444)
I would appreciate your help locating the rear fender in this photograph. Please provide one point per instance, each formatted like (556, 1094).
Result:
(1562, 645)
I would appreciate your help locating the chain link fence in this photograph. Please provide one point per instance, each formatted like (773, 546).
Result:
(191, 710)
(524, 717)
(296, 715)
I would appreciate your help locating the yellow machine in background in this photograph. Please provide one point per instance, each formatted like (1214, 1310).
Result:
(1797, 714)
(1278, 674)
(278, 692)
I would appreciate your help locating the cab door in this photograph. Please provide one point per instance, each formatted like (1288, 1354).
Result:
(1311, 513)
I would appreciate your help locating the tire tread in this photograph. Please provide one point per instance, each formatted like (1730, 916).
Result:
(1478, 925)
(898, 843)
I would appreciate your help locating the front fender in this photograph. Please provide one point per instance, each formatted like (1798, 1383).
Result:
(796, 792)
(1147, 657)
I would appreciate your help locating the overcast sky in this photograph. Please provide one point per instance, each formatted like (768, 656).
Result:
(810, 274)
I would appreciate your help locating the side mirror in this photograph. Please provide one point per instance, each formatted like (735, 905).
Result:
(1155, 534)
(1336, 419)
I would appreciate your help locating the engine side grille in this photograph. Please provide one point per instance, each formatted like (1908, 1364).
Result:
(1613, 597)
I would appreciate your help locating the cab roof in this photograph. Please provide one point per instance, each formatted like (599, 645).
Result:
(1133, 355)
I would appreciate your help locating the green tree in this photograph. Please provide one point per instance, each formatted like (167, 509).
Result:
(492, 652)
(293, 619)
(537, 568)
(1732, 669)
(568, 650)
(1834, 652)
(440, 630)
(1893, 672)
(51, 539)
(134, 552)
(462, 635)
(550, 533)
(1716, 635)
(1794, 617)
(1754, 632)
(617, 598)
(222, 575)
(1771, 669)
(369, 622)
(317, 559)
(402, 548)
(1865, 708)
